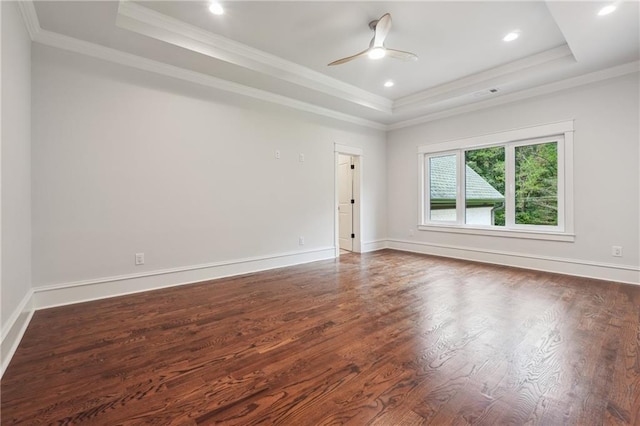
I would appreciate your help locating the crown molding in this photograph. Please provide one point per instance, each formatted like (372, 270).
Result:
(30, 17)
(557, 86)
(461, 86)
(112, 55)
(142, 20)
(49, 38)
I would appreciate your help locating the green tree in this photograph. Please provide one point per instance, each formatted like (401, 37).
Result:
(489, 163)
(536, 180)
(537, 184)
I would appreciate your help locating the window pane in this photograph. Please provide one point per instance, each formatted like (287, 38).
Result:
(537, 184)
(442, 188)
(484, 186)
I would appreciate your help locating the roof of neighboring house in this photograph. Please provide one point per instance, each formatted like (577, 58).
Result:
(443, 181)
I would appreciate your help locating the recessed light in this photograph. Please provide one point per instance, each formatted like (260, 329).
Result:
(511, 36)
(389, 83)
(607, 9)
(377, 53)
(216, 8)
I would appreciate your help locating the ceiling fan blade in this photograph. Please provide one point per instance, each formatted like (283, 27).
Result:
(348, 58)
(376, 48)
(401, 54)
(382, 30)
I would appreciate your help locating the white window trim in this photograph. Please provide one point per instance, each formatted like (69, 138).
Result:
(459, 176)
(564, 231)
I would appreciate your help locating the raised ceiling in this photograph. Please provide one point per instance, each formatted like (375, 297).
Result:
(282, 48)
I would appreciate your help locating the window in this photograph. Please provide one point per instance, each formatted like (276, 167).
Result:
(484, 186)
(443, 181)
(515, 183)
(536, 184)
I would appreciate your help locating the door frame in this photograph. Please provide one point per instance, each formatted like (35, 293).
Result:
(357, 154)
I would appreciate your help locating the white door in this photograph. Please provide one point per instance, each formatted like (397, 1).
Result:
(345, 205)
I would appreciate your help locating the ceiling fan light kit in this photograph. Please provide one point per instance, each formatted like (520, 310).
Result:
(376, 53)
(377, 49)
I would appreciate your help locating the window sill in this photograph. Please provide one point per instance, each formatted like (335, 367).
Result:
(532, 235)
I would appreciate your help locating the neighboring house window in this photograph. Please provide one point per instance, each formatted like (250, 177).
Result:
(516, 183)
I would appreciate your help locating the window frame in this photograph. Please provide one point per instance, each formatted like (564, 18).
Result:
(427, 192)
(561, 132)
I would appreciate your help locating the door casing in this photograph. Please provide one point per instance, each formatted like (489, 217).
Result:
(346, 170)
(358, 161)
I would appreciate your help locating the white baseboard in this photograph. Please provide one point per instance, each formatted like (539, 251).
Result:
(580, 268)
(373, 245)
(85, 291)
(13, 330)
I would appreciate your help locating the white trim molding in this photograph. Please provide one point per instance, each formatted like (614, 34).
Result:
(545, 89)
(320, 81)
(375, 245)
(88, 290)
(348, 150)
(535, 131)
(358, 194)
(142, 20)
(30, 18)
(493, 232)
(462, 85)
(13, 330)
(71, 44)
(561, 133)
(575, 267)
(101, 288)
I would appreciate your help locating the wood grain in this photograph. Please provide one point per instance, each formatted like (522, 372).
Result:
(385, 338)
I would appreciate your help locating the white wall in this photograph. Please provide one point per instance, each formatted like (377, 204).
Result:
(15, 188)
(606, 142)
(126, 161)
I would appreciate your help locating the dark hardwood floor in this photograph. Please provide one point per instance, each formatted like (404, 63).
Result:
(385, 338)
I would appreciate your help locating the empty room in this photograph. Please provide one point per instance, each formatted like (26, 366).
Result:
(320, 212)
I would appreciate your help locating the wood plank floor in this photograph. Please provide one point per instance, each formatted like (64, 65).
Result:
(386, 338)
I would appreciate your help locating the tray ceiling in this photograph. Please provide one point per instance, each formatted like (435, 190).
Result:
(282, 48)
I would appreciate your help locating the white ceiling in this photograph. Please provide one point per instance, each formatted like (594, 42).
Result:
(283, 47)
(314, 34)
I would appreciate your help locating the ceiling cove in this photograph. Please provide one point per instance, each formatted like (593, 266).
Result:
(515, 80)
(142, 20)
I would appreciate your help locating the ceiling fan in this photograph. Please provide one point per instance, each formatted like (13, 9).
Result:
(376, 48)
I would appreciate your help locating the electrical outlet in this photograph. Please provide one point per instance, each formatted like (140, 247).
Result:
(616, 251)
(301, 241)
(301, 158)
(139, 258)
(277, 155)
